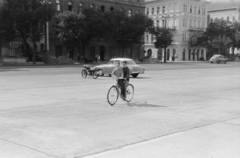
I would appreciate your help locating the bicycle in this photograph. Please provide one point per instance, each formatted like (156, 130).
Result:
(88, 71)
(115, 91)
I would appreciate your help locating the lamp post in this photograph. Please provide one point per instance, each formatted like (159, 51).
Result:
(165, 17)
(46, 3)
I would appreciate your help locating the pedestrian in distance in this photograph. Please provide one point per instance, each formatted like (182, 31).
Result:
(96, 58)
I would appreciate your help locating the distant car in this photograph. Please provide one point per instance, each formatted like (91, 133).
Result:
(217, 58)
(135, 69)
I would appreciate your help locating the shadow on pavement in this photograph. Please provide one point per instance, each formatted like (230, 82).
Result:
(144, 104)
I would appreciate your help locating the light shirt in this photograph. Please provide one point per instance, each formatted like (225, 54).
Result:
(117, 72)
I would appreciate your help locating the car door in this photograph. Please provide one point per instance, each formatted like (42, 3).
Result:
(110, 67)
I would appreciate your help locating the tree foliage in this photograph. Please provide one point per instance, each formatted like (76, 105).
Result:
(164, 38)
(114, 27)
(24, 20)
(219, 34)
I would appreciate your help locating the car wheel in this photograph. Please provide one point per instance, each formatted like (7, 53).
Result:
(134, 75)
(110, 75)
(218, 61)
(225, 62)
(211, 62)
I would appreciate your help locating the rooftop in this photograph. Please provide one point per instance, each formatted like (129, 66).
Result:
(223, 4)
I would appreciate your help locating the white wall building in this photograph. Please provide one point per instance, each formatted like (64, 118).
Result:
(227, 10)
(186, 16)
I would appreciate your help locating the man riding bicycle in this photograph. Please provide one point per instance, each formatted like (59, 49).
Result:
(121, 75)
(126, 71)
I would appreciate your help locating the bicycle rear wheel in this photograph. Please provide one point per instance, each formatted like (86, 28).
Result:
(112, 95)
(84, 73)
(129, 92)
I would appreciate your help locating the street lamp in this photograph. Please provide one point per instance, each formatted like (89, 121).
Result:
(165, 17)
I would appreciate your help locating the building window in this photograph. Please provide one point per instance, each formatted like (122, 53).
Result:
(190, 9)
(102, 8)
(163, 23)
(112, 9)
(147, 38)
(199, 12)
(152, 11)
(129, 13)
(70, 6)
(58, 5)
(158, 10)
(163, 10)
(183, 57)
(147, 11)
(203, 24)
(184, 22)
(158, 23)
(203, 11)
(233, 18)
(174, 22)
(185, 8)
(195, 10)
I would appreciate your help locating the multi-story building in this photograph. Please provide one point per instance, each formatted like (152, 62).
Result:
(227, 10)
(105, 50)
(186, 17)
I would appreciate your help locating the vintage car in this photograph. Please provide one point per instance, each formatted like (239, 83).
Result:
(107, 69)
(218, 59)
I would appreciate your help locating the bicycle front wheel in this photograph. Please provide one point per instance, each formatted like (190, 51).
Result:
(129, 92)
(95, 74)
(84, 73)
(112, 95)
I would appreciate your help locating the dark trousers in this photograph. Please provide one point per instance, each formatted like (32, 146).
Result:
(121, 83)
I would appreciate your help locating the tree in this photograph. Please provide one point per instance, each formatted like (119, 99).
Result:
(234, 37)
(79, 27)
(164, 38)
(71, 27)
(126, 31)
(25, 18)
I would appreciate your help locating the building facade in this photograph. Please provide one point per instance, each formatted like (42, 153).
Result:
(187, 17)
(226, 10)
(106, 51)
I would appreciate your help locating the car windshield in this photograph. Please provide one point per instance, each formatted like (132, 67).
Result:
(111, 62)
(130, 62)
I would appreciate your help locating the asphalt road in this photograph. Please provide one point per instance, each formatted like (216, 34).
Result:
(52, 112)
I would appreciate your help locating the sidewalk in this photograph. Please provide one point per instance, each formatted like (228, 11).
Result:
(217, 140)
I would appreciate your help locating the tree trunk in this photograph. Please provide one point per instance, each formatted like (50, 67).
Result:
(233, 48)
(34, 52)
(165, 53)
